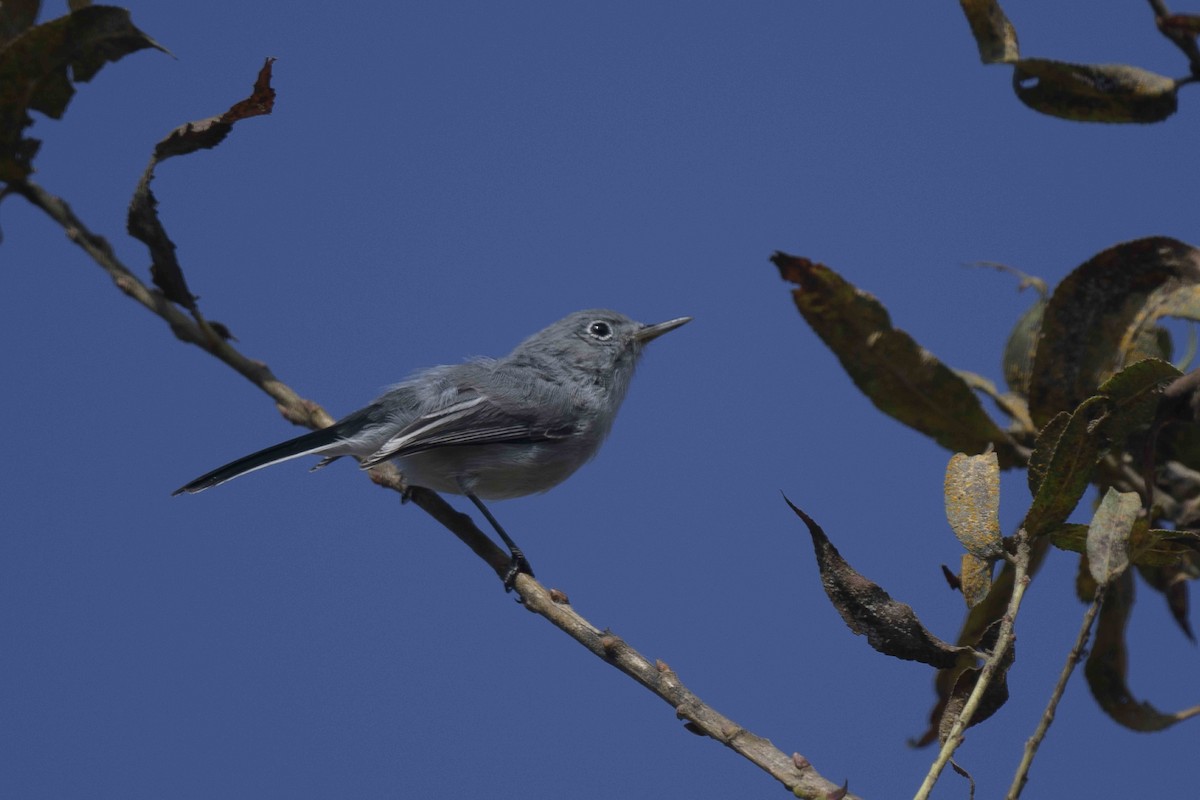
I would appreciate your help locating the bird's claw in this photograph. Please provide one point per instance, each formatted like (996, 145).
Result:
(516, 566)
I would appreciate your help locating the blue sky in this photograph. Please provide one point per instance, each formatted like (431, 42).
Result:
(438, 181)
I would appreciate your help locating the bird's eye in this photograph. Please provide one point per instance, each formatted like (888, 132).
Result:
(600, 330)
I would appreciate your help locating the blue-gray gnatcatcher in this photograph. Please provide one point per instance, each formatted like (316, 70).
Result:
(488, 428)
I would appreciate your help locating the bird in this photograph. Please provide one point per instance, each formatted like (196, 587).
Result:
(488, 428)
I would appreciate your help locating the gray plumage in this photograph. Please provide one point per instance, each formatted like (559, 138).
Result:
(488, 428)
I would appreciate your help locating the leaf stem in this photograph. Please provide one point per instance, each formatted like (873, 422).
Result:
(795, 772)
(1073, 658)
(1003, 641)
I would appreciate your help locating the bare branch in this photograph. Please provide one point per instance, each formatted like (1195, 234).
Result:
(1181, 39)
(1003, 641)
(193, 329)
(794, 772)
(1073, 658)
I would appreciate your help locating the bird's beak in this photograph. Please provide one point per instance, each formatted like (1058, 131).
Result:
(649, 332)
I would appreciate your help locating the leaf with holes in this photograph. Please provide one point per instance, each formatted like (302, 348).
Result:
(1094, 92)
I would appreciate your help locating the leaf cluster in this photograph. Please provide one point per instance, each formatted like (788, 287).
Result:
(39, 65)
(1087, 92)
(1092, 400)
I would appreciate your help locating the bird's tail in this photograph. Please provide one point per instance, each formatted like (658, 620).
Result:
(316, 442)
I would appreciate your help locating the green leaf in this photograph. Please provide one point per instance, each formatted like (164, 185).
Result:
(1094, 92)
(1021, 346)
(1135, 392)
(1148, 547)
(37, 68)
(900, 377)
(1108, 535)
(994, 34)
(972, 490)
(1180, 443)
(1043, 450)
(1098, 318)
(1068, 470)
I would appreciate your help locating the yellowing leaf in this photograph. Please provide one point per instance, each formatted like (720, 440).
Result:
(976, 579)
(972, 490)
(994, 34)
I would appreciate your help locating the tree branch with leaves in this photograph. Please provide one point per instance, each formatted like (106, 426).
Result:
(88, 38)
(1092, 400)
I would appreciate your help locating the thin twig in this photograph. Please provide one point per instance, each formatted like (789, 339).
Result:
(1118, 470)
(794, 772)
(1184, 41)
(1073, 658)
(1003, 642)
(291, 405)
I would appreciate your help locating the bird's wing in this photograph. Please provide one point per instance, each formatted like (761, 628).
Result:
(475, 419)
